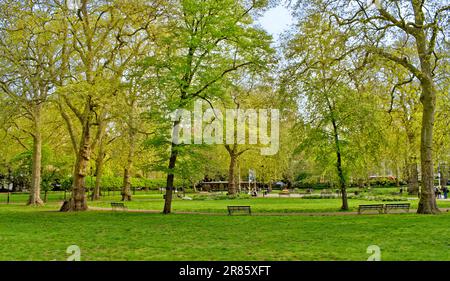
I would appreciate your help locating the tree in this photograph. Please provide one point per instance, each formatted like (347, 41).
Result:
(325, 74)
(28, 70)
(133, 126)
(203, 42)
(106, 36)
(420, 23)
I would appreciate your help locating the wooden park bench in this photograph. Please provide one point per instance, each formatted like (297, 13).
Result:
(245, 209)
(402, 206)
(115, 206)
(377, 207)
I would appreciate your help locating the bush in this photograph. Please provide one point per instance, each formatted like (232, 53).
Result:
(383, 182)
(220, 197)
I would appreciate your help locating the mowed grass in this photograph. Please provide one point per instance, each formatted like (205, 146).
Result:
(258, 205)
(154, 201)
(28, 233)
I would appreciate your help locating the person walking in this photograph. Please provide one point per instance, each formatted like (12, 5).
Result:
(445, 191)
(436, 192)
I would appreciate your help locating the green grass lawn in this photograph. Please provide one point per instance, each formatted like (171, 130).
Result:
(258, 205)
(28, 233)
(154, 201)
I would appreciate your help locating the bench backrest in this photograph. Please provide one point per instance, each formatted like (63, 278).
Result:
(117, 205)
(400, 205)
(238, 207)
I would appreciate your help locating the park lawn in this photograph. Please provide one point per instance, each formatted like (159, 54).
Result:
(258, 205)
(154, 201)
(28, 233)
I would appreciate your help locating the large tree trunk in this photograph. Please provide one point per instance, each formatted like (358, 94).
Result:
(78, 200)
(427, 203)
(35, 197)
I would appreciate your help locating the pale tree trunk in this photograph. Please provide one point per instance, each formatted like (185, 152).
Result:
(231, 176)
(126, 188)
(444, 174)
(35, 192)
(397, 177)
(99, 161)
(411, 166)
(98, 172)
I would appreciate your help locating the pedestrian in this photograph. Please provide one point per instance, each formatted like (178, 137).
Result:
(436, 192)
(445, 191)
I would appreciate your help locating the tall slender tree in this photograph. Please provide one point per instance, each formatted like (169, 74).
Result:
(204, 42)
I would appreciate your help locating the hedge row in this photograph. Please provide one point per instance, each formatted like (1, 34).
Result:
(373, 182)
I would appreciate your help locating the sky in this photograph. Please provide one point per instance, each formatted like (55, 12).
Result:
(276, 20)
